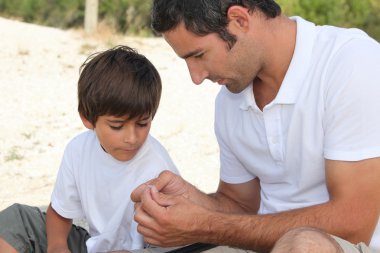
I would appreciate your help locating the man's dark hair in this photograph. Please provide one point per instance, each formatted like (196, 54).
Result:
(202, 17)
(118, 82)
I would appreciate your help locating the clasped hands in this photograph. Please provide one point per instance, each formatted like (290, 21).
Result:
(165, 214)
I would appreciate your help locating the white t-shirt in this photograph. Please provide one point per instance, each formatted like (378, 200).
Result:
(328, 107)
(94, 185)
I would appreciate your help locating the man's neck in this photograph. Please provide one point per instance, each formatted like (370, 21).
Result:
(280, 44)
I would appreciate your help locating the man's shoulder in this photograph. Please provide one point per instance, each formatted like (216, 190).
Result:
(339, 37)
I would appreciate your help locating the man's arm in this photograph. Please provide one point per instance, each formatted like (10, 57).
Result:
(352, 213)
(230, 198)
(57, 230)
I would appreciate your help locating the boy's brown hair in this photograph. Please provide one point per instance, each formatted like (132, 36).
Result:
(118, 82)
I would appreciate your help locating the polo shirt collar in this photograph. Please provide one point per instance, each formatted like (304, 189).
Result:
(297, 71)
(299, 65)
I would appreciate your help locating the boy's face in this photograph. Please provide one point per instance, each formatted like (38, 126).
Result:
(119, 136)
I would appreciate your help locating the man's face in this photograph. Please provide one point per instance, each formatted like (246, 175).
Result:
(122, 137)
(208, 57)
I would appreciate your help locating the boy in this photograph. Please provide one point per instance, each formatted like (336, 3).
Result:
(118, 92)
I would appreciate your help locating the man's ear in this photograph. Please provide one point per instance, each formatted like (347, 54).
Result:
(86, 122)
(239, 19)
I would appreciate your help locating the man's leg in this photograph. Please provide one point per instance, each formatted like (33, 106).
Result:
(306, 239)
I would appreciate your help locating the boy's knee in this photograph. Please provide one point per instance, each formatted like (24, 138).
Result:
(15, 210)
(306, 239)
(18, 215)
(16, 207)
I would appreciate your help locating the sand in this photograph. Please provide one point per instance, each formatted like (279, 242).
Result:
(38, 116)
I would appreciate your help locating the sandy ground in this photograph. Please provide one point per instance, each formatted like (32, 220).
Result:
(38, 116)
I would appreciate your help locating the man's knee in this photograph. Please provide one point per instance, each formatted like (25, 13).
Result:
(306, 239)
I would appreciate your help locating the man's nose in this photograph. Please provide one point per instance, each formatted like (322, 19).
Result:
(197, 73)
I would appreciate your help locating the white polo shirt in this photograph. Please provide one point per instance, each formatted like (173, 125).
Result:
(94, 185)
(328, 107)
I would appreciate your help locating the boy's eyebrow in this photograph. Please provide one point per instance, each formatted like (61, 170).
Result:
(144, 118)
(125, 120)
(116, 120)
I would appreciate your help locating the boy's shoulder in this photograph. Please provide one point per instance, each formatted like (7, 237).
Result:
(153, 150)
(83, 139)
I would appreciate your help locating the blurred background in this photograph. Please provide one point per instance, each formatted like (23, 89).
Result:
(44, 42)
(131, 17)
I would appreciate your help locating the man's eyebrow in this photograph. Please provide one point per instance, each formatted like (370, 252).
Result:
(190, 54)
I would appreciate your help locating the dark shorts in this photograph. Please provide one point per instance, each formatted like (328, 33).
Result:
(23, 227)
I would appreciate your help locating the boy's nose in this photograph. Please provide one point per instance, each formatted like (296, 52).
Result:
(130, 136)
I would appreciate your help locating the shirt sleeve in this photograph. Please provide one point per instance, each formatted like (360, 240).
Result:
(65, 198)
(352, 103)
(232, 170)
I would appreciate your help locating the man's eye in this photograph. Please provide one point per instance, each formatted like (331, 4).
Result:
(198, 55)
(116, 127)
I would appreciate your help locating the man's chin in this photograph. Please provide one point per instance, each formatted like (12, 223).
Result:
(233, 89)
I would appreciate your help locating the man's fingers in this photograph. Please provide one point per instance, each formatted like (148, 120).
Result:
(160, 198)
(160, 182)
(143, 218)
(163, 179)
(137, 192)
(150, 206)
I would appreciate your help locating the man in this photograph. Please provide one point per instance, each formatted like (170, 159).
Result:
(298, 125)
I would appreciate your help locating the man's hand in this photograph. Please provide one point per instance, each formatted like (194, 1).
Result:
(164, 212)
(169, 220)
(167, 182)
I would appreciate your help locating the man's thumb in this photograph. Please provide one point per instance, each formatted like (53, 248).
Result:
(161, 198)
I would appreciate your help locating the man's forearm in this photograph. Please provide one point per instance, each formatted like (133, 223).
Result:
(214, 201)
(260, 232)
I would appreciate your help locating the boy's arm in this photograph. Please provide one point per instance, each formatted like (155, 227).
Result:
(57, 231)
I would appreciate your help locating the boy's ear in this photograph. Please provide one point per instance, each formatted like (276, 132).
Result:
(239, 18)
(86, 122)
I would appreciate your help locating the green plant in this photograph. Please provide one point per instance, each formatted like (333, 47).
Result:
(13, 154)
(363, 14)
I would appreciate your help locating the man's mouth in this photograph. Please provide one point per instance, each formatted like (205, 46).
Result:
(221, 82)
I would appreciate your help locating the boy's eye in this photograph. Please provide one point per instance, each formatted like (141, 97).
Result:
(116, 127)
(142, 124)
